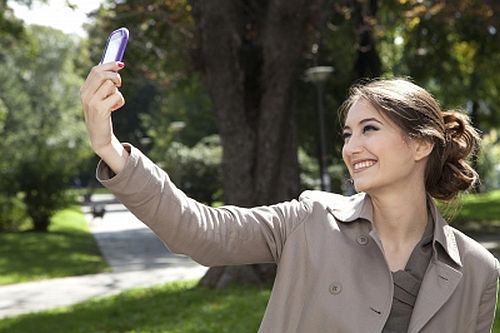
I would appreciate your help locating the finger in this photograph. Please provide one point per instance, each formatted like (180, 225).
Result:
(105, 90)
(96, 79)
(98, 75)
(113, 66)
(120, 101)
(114, 102)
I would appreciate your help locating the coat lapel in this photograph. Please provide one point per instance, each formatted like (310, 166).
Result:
(439, 283)
(442, 276)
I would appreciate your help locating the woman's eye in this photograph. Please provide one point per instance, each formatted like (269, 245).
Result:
(369, 128)
(346, 135)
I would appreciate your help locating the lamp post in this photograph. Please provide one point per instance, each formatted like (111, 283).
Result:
(318, 76)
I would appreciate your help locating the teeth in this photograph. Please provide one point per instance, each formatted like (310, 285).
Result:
(363, 165)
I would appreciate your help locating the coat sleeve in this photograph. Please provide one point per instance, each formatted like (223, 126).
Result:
(486, 313)
(227, 235)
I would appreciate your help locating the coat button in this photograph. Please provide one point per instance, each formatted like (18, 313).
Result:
(335, 288)
(362, 240)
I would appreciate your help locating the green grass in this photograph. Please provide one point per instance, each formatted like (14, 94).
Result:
(175, 307)
(480, 207)
(179, 307)
(474, 213)
(68, 249)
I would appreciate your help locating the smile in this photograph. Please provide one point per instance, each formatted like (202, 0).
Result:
(358, 166)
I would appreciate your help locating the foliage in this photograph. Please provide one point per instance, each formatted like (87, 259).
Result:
(309, 174)
(12, 213)
(67, 250)
(451, 47)
(11, 28)
(44, 138)
(489, 161)
(196, 170)
(186, 102)
(175, 307)
(159, 83)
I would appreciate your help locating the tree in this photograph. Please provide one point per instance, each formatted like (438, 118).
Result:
(43, 139)
(249, 52)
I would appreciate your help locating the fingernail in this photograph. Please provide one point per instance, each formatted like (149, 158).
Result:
(120, 64)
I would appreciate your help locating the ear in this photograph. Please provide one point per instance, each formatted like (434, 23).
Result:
(422, 148)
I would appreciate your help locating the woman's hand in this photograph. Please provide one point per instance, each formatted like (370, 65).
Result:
(100, 97)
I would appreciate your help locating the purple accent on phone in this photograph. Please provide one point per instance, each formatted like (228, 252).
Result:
(115, 46)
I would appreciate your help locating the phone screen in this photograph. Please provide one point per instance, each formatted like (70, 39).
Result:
(115, 46)
(112, 50)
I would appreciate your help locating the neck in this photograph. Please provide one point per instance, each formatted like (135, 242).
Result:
(400, 217)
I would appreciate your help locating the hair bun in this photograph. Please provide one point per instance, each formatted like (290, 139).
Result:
(461, 138)
(461, 141)
(454, 124)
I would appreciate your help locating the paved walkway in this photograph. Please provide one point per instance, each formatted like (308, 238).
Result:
(137, 258)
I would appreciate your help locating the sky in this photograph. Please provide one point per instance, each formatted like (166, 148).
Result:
(57, 14)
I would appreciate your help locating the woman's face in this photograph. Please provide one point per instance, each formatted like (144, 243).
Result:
(375, 151)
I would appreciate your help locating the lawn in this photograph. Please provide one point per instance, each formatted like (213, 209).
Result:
(176, 307)
(68, 249)
(179, 307)
(480, 207)
(474, 213)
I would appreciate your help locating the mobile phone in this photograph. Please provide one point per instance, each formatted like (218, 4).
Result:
(115, 46)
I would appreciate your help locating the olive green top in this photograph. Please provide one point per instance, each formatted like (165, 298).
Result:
(407, 283)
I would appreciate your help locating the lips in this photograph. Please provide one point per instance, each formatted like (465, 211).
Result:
(362, 165)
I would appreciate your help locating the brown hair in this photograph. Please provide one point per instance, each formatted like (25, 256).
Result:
(419, 115)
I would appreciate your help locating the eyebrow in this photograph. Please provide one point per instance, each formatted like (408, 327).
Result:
(365, 121)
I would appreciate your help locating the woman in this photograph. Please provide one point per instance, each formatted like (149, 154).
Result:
(383, 260)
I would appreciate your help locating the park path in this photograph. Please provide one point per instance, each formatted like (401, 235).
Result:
(136, 256)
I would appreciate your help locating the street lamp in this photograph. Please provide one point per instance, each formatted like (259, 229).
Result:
(318, 76)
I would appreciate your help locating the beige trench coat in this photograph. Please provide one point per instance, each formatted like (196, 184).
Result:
(332, 275)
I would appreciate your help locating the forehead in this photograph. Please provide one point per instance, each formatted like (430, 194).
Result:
(360, 110)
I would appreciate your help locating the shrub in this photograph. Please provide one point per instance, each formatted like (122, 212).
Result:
(12, 213)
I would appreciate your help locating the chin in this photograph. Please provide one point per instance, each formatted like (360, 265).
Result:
(362, 186)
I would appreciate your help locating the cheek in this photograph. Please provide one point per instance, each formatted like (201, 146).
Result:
(399, 154)
(344, 156)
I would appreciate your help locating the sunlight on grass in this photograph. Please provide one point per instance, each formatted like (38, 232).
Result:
(67, 249)
(175, 307)
(179, 307)
(484, 206)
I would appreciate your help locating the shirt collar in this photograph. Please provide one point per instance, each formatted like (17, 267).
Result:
(359, 206)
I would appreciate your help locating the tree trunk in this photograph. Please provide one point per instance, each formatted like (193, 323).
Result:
(368, 64)
(249, 52)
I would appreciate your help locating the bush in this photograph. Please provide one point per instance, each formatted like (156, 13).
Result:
(489, 161)
(12, 213)
(196, 170)
(309, 173)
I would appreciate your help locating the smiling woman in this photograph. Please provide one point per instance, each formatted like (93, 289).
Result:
(403, 107)
(383, 260)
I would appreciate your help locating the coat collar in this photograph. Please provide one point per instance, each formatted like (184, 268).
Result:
(359, 206)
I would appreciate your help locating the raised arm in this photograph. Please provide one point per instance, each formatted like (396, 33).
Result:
(100, 97)
(212, 236)
(223, 236)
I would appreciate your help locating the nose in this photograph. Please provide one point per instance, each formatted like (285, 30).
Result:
(352, 146)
